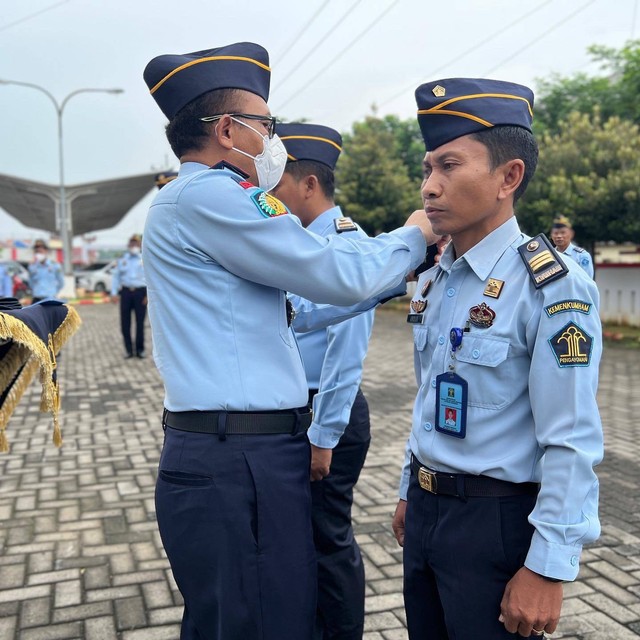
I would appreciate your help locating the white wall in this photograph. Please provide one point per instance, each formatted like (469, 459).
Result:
(619, 287)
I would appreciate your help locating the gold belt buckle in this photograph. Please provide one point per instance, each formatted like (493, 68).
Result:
(427, 480)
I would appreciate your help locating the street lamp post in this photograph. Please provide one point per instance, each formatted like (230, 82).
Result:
(64, 220)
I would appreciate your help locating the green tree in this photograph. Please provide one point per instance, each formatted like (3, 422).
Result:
(375, 186)
(590, 172)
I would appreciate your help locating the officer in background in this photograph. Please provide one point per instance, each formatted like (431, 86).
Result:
(232, 496)
(495, 508)
(129, 287)
(333, 359)
(45, 275)
(562, 235)
(6, 283)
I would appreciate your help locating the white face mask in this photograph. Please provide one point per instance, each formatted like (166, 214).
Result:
(271, 162)
(41, 257)
(134, 251)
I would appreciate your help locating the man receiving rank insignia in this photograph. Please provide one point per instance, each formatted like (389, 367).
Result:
(498, 491)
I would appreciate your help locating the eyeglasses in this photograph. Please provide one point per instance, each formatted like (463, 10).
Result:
(268, 122)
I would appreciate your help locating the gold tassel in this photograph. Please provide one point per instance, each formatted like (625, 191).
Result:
(4, 443)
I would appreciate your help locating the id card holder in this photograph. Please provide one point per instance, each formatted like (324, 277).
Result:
(451, 404)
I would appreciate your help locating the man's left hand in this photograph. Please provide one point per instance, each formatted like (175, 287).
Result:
(531, 604)
(320, 462)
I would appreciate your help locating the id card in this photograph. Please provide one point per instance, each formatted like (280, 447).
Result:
(451, 404)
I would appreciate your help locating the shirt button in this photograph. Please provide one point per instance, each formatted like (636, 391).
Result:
(451, 292)
(433, 383)
(441, 340)
(574, 561)
(476, 353)
(428, 426)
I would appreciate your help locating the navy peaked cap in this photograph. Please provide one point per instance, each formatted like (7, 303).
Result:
(448, 109)
(311, 142)
(175, 80)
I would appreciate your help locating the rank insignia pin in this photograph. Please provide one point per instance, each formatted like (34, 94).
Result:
(418, 306)
(482, 315)
(425, 288)
(494, 288)
(439, 91)
(533, 245)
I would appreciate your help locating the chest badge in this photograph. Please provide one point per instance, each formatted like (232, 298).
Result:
(418, 306)
(482, 315)
(425, 288)
(494, 288)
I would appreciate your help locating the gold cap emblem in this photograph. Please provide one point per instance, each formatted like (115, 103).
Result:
(438, 91)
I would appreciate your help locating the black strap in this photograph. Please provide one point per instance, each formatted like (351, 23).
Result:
(462, 485)
(225, 423)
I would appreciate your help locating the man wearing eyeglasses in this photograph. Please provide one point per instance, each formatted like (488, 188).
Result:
(232, 495)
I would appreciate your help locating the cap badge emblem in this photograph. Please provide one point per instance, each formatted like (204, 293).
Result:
(438, 91)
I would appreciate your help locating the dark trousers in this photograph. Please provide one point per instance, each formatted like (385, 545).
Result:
(133, 300)
(235, 520)
(458, 557)
(340, 613)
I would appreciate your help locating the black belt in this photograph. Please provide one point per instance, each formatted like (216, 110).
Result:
(463, 485)
(225, 423)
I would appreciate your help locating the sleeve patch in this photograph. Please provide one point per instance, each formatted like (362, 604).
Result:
(568, 305)
(344, 224)
(572, 346)
(268, 205)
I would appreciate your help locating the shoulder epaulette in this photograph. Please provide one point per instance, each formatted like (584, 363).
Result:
(236, 173)
(344, 224)
(579, 249)
(542, 261)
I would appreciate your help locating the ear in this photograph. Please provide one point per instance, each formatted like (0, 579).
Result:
(311, 186)
(512, 173)
(223, 132)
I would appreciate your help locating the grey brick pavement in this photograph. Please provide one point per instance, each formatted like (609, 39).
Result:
(80, 552)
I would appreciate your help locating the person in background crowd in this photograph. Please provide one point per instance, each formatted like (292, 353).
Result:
(45, 275)
(562, 235)
(128, 286)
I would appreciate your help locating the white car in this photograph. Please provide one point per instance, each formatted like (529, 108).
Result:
(96, 277)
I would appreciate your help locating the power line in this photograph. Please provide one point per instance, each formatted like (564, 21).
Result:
(320, 42)
(32, 15)
(543, 35)
(295, 39)
(470, 50)
(330, 63)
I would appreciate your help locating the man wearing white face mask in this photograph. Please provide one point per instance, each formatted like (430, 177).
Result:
(232, 496)
(45, 275)
(129, 287)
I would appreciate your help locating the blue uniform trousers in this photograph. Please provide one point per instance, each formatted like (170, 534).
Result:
(235, 520)
(133, 300)
(458, 557)
(341, 584)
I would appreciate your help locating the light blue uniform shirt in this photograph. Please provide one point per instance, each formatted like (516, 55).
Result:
(529, 418)
(217, 269)
(128, 273)
(6, 283)
(45, 278)
(582, 257)
(333, 358)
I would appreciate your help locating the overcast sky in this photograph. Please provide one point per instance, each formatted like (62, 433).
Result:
(331, 61)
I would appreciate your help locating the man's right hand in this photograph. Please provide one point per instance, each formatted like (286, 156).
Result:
(115, 299)
(397, 524)
(419, 219)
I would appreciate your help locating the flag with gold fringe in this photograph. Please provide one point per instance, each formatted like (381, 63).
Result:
(30, 340)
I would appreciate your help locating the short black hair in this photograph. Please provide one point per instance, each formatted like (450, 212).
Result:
(506, 143)
(186, 132)
(300, 169)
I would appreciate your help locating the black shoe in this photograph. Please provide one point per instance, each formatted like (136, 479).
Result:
(128, 355)
(140, 354)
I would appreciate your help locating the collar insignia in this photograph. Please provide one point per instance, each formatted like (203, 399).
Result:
(482, 315)
(494, 288)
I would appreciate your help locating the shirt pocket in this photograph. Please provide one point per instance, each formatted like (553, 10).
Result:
(420, 337)
(485, 364)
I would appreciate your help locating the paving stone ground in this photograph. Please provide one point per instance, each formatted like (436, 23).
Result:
(80, 554)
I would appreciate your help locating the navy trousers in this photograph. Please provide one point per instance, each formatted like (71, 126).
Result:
(340, 614)
(235, 521)
(458, 557)
(133, 301)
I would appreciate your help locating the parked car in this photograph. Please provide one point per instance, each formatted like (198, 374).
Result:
(96, 277)
(20, 276)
